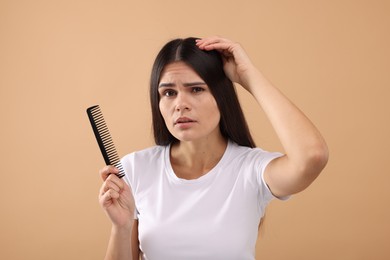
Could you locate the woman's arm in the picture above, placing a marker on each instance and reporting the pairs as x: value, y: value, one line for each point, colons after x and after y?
x: 135, y: 242
x: 306, y: 152
x: 305, y: 149
x: 117, y: 200
x: 119, y: 245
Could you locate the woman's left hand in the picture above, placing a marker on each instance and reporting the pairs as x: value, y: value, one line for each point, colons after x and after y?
x: 237, y: 64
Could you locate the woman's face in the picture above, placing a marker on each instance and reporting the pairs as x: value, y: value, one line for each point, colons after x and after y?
x: 189, y: 109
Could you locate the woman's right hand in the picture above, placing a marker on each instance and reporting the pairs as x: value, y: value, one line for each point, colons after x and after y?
x: 116, y: 198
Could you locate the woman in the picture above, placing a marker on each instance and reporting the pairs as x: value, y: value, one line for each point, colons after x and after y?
x: 202, y: 191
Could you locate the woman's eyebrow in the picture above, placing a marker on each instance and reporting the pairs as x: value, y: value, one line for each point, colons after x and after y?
x: 190, y: 84
x: 165, y: 85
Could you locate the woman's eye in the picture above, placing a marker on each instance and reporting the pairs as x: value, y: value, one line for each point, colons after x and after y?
x: 197, y: 89
x: 169, y: 93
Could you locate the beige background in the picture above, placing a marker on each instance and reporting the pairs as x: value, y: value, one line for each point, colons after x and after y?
x: 332, y: 58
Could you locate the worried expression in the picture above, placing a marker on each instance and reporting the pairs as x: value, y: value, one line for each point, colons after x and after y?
x: 189, y: 109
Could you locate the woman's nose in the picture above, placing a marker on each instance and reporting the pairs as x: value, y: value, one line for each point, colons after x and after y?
x: 182, y: 102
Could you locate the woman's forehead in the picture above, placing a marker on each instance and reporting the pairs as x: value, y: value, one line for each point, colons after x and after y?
x: 179, y: 71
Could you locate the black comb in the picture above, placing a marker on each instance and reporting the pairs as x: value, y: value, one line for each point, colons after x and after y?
x: 103, y: 138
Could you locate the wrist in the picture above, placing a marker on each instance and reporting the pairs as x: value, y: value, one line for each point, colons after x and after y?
x: 122, y: 230
x: 252, y: 79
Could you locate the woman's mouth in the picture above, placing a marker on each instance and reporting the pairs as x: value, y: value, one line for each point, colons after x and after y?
x: 184, y: 122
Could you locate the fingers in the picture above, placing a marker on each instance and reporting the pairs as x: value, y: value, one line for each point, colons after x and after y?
x: 212, y: 40
x: 112, y: 184
x: 111, y: 190
x: 214, y: 43
x: 228, y: 49
x: 107, y: 196
x: 107, y: 171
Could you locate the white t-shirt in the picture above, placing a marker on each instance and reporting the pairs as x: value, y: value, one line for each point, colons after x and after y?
x: 213, y: 217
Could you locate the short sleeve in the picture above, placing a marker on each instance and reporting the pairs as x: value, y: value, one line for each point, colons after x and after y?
x: 265, y: 194
x: 127, y: 164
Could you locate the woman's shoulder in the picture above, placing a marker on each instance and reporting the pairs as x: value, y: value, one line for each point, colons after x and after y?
x: 249, y: 153
x: 243, y: 150
x: 146, y: 153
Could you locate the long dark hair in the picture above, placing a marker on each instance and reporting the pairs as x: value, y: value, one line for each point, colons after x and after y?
x: 209, y: 66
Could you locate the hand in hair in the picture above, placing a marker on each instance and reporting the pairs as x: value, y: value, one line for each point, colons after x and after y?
x: 237, y: 64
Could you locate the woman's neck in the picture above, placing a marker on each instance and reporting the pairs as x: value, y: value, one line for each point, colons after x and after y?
x: 191, y: 160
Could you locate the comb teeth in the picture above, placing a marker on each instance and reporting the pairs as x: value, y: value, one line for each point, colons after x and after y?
x: 103, y: 138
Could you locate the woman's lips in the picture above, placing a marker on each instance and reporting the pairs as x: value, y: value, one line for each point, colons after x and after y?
x: 184, y: 122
